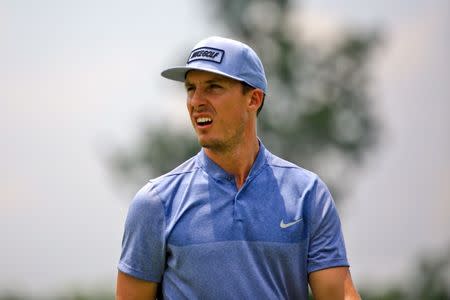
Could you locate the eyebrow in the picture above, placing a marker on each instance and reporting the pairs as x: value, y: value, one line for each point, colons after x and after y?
x: 209, y: 81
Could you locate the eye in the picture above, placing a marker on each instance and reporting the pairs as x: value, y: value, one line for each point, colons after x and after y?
x: 214, y: 86
x: 190, y: 88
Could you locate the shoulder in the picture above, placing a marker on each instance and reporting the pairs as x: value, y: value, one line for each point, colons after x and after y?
x: 187, y: 167
x: 290, y: 171
x: 173, y: 177
x: 158, y: 188
x: 296, y: 180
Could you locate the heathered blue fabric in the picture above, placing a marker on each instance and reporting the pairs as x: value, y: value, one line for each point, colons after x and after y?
x: 192, y: 231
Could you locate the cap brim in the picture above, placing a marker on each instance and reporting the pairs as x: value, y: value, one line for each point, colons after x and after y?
x: 179, y: 73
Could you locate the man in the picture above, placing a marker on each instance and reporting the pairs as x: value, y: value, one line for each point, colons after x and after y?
x: 234, y: 221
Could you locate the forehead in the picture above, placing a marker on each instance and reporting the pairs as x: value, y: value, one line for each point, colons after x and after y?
x: 198, y: 76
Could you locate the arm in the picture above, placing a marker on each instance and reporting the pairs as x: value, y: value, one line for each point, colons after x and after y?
x: 333, y: 283
x: 131, y: 288
x: 142, y: 260
x: 329, y: 276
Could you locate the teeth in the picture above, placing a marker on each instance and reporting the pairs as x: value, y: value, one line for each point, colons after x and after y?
x: 203, y: 120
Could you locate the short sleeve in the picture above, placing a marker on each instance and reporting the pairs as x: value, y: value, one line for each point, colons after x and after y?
x: 326, y: 247
x: 143, y: 243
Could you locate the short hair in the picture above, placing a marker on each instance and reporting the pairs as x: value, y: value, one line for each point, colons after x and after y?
x: 247, y: 88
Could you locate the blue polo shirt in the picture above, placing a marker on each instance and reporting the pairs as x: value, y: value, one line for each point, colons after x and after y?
x: 200, y: 237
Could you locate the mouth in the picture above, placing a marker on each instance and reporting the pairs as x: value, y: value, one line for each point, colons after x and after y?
x: 203, y: 121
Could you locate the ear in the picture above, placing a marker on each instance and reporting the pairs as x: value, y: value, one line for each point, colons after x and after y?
x: 256, y: 98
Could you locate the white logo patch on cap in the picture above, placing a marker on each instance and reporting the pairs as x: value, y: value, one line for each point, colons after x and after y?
x: 206, y: 53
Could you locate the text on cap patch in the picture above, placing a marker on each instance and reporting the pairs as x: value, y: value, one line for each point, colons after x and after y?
x: 206, y: 53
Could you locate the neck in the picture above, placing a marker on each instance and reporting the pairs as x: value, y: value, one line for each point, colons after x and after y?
x: 236, y: 161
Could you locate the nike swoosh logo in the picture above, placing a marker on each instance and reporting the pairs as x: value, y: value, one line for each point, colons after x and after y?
x: 286, y: 225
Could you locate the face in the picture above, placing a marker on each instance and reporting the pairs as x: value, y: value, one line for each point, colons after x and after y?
x: 218, y: 109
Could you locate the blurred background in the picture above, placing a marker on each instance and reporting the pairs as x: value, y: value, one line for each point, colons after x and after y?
x: 359, y: 92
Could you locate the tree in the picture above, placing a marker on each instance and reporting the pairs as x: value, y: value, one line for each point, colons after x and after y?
x: 317, y: 113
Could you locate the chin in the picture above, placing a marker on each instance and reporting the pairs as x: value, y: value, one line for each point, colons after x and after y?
x: 208, y: 143
x: 204, y: 144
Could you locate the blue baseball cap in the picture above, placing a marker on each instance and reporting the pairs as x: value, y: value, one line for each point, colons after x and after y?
x: 226, y: 57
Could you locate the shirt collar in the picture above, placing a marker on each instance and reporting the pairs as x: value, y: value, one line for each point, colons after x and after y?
x: 218, y: 173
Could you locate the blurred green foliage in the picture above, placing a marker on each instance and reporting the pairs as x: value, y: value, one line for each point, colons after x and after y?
x: 317, y: 113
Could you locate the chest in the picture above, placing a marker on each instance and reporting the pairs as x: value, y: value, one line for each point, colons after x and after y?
x: 261, y: 211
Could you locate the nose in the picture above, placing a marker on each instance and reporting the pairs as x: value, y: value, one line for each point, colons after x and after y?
x: 196, y: 99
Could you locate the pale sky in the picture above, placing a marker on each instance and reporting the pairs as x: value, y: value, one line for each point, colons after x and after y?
x: 77, y: 76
